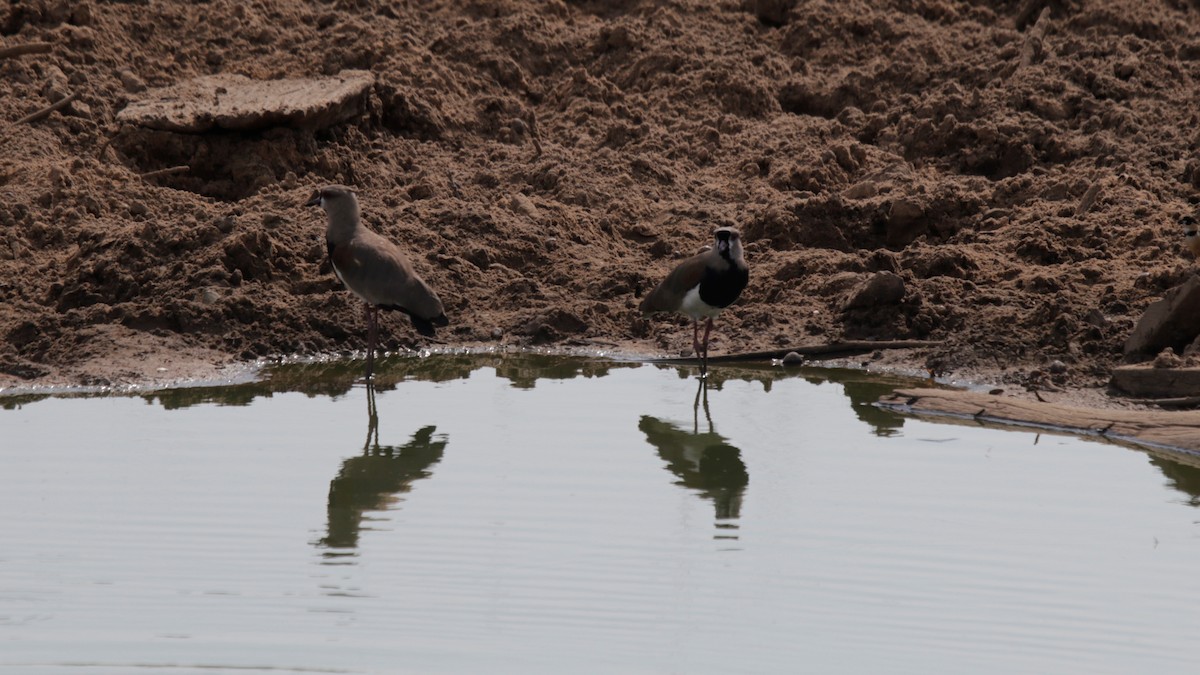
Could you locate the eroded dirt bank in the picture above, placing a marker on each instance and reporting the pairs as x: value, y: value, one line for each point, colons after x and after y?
x: 895, y: 169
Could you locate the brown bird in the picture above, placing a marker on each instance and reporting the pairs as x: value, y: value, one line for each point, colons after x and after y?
x: 1190, y: 232
x: 702, y: 286
x: 373, y: 268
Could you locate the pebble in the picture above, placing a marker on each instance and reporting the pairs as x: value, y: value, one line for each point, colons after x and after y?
x: 522, y: 205
x: 132, y: 83
x: 792, y: 359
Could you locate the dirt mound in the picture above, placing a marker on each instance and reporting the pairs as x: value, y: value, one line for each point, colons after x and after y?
x: 544, y: 163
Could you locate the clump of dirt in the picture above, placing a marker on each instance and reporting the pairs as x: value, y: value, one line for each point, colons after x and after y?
x: 896, y: 172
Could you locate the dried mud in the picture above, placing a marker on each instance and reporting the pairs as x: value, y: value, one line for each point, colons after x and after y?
x: 896, y: 173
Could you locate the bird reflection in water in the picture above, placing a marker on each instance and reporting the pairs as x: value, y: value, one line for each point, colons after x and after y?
x: 704, y: 462
x: 374, y: 480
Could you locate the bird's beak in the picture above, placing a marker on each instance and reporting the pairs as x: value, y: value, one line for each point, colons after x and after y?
x: 314, y: 200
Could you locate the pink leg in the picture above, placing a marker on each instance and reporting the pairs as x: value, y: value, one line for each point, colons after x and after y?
x: 372, y: 314
x: 704, y: 359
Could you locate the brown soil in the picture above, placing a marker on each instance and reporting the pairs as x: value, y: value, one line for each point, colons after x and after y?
x: 846, y: 140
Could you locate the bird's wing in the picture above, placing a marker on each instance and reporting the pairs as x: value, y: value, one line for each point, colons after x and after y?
x: 329, y: 249
x: 668, y: 295
x: 375, y: 269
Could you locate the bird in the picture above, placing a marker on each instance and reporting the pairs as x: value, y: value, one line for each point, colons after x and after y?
x: 1190, y: 231
x: 374, y: 269
x: 701, y: 286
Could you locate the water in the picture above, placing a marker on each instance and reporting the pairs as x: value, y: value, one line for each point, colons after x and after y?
x: 552, y: 514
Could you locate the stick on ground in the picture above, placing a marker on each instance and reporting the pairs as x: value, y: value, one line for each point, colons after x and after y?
x: 169, y: 171
x: 1034, y: 41
x: 1089, y: 198
x: 33, y: 117
x: 27, y: 48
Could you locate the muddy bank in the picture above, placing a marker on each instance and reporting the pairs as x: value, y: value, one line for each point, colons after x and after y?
x: 900, y: 171
x: 1177, y: 431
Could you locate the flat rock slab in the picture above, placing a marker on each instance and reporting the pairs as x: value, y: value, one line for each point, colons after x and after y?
x: 1151, y: 382
x: 1167, y: 430
x: 238, y: 103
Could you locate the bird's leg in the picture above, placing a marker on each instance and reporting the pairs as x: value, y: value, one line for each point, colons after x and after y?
x: 704, y: 359
x: 372, y: 328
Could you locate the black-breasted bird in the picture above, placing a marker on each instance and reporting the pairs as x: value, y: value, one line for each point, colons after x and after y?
x: 374, y: 268
x: 1191, y: 234
x: 702, y: 286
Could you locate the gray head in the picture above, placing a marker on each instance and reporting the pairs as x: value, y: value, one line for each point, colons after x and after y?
x: 340, y: 205
x: 728, y: 242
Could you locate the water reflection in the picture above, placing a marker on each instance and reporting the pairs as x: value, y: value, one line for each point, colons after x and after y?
x: 863, y: 390
x: 374, y: 480
x: 705, y: 462
x: 1182, y: 473
x: 337, y: 378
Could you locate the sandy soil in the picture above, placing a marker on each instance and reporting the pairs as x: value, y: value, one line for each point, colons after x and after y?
x: 1023, y: 215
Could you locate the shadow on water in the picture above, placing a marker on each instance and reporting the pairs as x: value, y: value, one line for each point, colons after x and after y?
x: 375, y: 479
x: 704, y: 462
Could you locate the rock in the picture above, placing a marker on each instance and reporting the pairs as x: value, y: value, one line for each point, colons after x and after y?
x: 1057, y: 367
x: 1096, y: 318
x: 792, y: 359
x: 132, y: 83
x: 1150, y: 382
x: 56, y: 87
x: 420, y: 191
x: 238, y: 103
x: 905, y: 222
x: 80, y: 109
x: 773, y: 12
x: 862, y: 190
x: 1171, y: 322
x: 1125, y: 69
x: 905, y: 211
x: 883, y: 288
x: 1167, y: 358
x: 522, y: 205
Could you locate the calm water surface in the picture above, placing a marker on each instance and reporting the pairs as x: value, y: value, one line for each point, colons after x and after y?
x: 553, y: 514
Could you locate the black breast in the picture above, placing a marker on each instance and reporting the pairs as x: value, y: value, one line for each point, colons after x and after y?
x: 719, y: 288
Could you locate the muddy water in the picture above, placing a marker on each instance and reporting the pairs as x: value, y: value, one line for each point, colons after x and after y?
x: 554, y: 514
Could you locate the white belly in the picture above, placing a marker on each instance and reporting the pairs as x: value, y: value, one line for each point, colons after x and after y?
x: 696, y: 308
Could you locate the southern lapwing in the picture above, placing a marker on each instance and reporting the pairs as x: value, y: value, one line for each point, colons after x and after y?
x: 1191, y: 234
x: 702, y: 286
x: 374, y: 269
